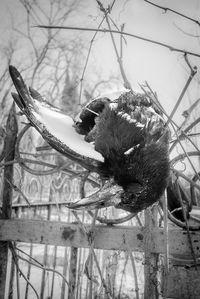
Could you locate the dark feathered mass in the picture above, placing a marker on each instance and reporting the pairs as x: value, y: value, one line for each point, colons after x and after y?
x: 131, y: 136
x: 126, y: 141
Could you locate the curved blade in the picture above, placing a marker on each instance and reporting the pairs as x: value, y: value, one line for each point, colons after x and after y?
x: 55, y: 127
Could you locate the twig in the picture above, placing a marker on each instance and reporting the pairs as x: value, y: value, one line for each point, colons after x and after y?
x: 139, y: 220
x: 88, y: 54
x: 188, y: 158
x: 186, y: 178
x: 194, y: 200
x: 123, y: 272
x: 155, y: 98
x: 90, y: 240
x: 193, y: 72
x: 180, y: 157
x: 19, y: 270
x: 174, y: 11
x: 171, y: 48
x: 113, y: 221
x: 90, y: 235
x: 121, y: 42
x: 39, y: 265
x: 108, y: 292
x: 192, y: 125
x: 155, y: 101
x: 15, y: 188
x: 28, y: 255
x: 187, y: 226
x: 122, y: 28
x: 166, y: 257
x: 184, y: 133
x: 189, y: 135
x: 173, y: 124
x: 188, y: 112
x: 119, y: 60
x: 84, y: 179
x: 181, y: 224
x: 134, y: 269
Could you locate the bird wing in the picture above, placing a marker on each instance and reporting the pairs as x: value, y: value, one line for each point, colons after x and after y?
x: 57, y: 128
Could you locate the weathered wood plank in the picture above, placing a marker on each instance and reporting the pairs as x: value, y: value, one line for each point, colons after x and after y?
x: 151, y: 259
x: 105, y: 237
x: 9, y: 148
x: 183, y: 282
x: 72, y: 272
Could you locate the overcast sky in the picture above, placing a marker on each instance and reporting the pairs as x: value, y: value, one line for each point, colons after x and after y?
x: 165, y: 71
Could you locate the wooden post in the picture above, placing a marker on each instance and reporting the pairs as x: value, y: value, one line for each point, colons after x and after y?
x: 72, y: 272
x: 10, y: 140
x: 151, y: 259
x: 12, y: 274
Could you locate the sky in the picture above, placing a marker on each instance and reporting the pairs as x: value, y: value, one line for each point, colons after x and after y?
x: 165, y: 70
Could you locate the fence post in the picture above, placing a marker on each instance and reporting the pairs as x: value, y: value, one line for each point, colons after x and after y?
x: 72, y: 272
x: 9, y: 146
x: 151, y: 259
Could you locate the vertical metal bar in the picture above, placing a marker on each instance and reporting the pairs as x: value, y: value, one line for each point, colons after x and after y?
x: 12, y: 271
x: 12, y: 275
x: 28, y: 271
x: 91, y: 274
x: 81, y: 251
x: 42, y: 290
x: 79, y: 283
x: 53, y: 275
x: 10, y: 141
x: 65, y: 266
x: 17, y: 283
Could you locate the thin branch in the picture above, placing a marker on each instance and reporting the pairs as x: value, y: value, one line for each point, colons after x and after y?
x: 121, y: 42
x: 174, y: 11
x: 187, y: 226
x: 184, y: 133
x: 186, y: 154
x: 193, y: 71
x: 119, y: 60
x: 113, y: 221
x: 15, y: 188
x: 166, y: 240
x: 15, y: 258
x: 39, y: 265
x: 89, y: 51
x: 185, y: 178
x: 185, y: 32
x: 187, y: 113
x: 134, y: 269
x: 182, y: 224
x: 90, y: 241
x: 171, y: 48
x: 182, y: 156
